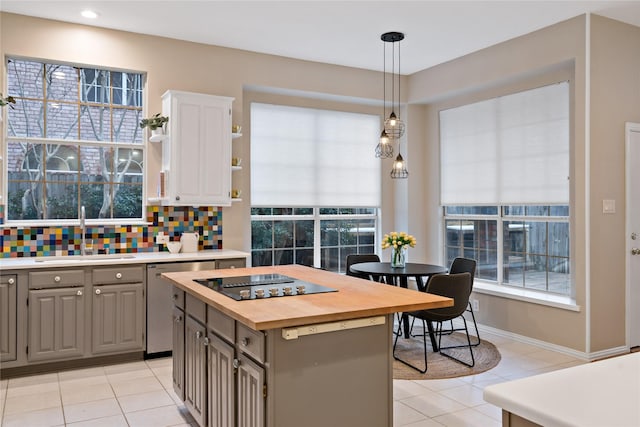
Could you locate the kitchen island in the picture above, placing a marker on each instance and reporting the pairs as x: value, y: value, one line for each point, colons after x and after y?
x: 303, y: 360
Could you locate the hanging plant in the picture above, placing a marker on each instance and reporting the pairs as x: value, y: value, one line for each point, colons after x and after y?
x: 154, y: 122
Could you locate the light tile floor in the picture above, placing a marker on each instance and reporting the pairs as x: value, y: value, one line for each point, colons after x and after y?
x: 140, y: 394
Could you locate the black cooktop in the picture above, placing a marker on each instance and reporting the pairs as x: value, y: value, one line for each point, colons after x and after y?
x: 262, y: 286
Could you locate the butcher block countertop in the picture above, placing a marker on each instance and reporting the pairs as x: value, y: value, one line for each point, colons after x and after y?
x: 356, y: 298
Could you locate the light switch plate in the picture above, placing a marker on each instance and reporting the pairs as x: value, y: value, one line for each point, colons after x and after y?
x: 608, y: 206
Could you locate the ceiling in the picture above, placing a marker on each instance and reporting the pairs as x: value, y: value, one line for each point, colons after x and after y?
x: 336, y: 32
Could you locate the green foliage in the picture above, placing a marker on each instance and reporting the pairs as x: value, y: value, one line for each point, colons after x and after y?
x: 154, y: 122
x: 6, y: 101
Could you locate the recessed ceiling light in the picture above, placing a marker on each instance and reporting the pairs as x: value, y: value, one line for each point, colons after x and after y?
x: 90, y: 14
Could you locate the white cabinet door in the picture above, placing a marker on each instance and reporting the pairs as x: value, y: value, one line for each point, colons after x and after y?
x: 197, y: 150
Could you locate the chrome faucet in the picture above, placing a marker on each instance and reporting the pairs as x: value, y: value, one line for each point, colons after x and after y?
x: 83, y: 245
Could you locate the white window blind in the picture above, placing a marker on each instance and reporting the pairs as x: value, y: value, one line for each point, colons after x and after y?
x: 508, y: 150
x: 309, y: 157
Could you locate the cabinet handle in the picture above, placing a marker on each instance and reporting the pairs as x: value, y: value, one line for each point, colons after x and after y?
x: 11, y: 281
x: 175, y: 297
x: 79, y: 293
x: 233, y: 266
x: 198, y: 334
x: 118, y: 275
x: 177, y: 197
x: 178, y: 319
x: 205, y: 342
x: 245, y: 341
x: 57, y: 279
x: 98, y: 291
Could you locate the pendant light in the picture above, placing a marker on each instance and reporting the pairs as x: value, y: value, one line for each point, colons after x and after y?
x: 384, y: 149
x: 393, y: 126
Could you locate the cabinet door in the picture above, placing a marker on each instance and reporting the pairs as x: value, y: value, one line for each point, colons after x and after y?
x: 8, y: 307
x: 178, y: 352
x: 118, y: 318
x: 250, y: 393
x: 221, y: 388
x: 195, y: 369
x: 56, y: 323
x: 200, y: 137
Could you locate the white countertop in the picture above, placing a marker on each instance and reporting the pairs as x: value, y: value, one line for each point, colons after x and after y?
x: 602, y: 393
x: 133, y: 258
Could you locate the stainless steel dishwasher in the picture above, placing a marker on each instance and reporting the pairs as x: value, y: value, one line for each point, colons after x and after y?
x: 160, y: 303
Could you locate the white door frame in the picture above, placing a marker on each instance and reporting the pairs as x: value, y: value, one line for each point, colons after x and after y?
x: 630, y: 128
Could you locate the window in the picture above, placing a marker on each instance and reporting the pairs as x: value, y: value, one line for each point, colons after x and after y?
x: 320, y: 237
x: 315, y: 185
x: 505, y: 188
x: 73, y: 139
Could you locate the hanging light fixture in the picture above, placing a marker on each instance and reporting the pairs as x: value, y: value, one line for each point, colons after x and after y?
x: 393, y: 126
x: 399, y: 170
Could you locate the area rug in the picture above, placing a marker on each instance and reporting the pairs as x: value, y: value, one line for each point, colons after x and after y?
x: 486, y: 356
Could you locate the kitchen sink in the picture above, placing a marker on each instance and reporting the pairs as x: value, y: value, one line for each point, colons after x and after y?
x: 83, y: 258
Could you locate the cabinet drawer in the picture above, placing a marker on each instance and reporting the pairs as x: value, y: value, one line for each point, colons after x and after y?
x: 56, y: 279
x: 221, y: 324
x: 250, y: 342
x: 116, y: 275
x: 196, y: 308
x: 177, y: 295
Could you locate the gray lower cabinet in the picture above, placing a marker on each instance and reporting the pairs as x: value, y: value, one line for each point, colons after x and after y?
x: 8, y: 326
x: 118, y: 318
x: 195, y: 369
x: 178, y: 352
x: 251, y: 393
x: 221, y: 384
x: 56, y: 323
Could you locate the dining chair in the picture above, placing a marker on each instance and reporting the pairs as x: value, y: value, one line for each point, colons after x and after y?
x: 458, y: 287
x: 358, y: 258
x: 466, y: 265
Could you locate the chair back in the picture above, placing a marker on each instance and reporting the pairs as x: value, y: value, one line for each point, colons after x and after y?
x: 456, y: 286
x: 359, y: 258
x: 464, y: 265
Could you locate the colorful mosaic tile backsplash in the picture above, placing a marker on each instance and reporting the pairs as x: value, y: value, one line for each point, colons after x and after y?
x: 58, y: 241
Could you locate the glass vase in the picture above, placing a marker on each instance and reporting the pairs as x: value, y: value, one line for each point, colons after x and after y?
x: 398, y: 257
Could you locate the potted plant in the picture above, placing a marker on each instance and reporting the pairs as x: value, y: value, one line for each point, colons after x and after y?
x: 156, y: 123
x: 9, y: 100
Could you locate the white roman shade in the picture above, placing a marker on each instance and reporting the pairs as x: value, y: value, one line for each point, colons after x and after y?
x: 508, y: 150
x: 309, y: 157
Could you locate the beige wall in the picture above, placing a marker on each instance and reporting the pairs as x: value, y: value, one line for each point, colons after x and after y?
x: 556, y: 52
x: 615, y: 99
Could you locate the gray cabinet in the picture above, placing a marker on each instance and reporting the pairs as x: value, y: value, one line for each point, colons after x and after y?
x: 56, y: 323
x: 221, y: 384
x: 117, y: 318
x: 178, y: 351
x: 231, y: 263
x: 8, y: 326
x: 195, y: 369
x: 118, y: 309
x: 251, y: 393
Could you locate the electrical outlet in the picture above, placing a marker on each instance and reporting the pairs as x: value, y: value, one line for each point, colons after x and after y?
x: 162, y: 238
x: 476, y: 305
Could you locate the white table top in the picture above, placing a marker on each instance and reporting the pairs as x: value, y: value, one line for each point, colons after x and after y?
x: 599, y: 394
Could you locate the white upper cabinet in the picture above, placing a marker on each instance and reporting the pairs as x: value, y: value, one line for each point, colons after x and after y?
x: 196, y: 153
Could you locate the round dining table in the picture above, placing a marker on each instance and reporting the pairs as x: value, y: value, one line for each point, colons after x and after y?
x: 400, y: 277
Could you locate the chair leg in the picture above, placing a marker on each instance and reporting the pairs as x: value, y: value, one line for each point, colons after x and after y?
x: 424, y: 341
x: 469, y: 345
x: 475, y: 324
